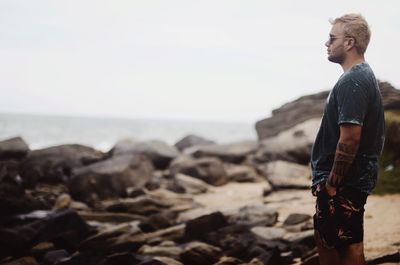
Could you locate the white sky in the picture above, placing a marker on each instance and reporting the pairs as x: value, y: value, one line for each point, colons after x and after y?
x: 194, y: 60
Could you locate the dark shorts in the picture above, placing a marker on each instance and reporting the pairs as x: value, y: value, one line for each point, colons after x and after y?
x: 339, y: 220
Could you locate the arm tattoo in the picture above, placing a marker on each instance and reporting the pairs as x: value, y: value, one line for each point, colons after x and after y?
x: 344, y: 157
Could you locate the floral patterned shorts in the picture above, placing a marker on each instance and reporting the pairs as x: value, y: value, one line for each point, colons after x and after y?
x: 339, y: 220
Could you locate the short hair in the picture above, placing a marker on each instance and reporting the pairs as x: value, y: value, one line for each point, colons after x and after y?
x: 355, y: 26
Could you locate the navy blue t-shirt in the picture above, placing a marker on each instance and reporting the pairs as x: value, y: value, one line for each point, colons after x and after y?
x: 355, y: 99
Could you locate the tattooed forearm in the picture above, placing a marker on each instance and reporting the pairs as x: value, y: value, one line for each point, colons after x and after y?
x: 344, y: 157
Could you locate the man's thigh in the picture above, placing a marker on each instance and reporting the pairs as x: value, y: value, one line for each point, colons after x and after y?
x: 339, y: 219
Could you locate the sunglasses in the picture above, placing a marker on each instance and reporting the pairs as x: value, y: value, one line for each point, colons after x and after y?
x: 332, y: 39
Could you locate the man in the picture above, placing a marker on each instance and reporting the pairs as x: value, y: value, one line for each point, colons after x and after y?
x: 345, y: 153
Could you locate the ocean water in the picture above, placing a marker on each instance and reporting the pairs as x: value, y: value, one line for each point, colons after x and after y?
x: 102, y: 133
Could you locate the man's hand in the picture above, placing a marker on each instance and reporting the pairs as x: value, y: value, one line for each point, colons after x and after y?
x: 330, y: 190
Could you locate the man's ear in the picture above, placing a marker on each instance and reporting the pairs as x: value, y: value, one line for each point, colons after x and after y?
x: 350, y: 43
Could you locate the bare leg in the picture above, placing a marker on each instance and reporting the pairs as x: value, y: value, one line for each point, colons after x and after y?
x: 327, y: 256
x: 354, y: 254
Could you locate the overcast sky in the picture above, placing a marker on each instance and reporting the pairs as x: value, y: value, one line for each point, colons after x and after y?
x: 192, y: 60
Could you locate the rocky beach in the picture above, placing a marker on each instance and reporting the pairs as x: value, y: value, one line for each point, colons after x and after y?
x: 196, y: 202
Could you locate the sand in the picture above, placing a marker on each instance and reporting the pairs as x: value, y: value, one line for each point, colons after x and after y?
x: 382, y: 213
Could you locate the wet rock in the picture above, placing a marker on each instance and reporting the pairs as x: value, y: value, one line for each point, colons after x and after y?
x: 296, y: 218
x: 282, y: 174
x: 110, y: 178
x: 14, y: 148
x: 192, y: 140
x: 160, y: 153
x: 197, y: 228
x: 232, y: 153
x: 198, y: 253
x: 209, y: 170
x: 54, y: 164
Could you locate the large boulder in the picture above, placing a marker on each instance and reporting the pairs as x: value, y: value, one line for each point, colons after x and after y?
x: 210, y: 170
x: 55, y: 164
x: 192, y: 140
x: 233, y: 152
x: 291, y: 114
x: 282, y: 174
x: 14, y: 148
x: 294, y: 144
x: 312, y: 106
x: 160, y: 153
x: 110, y: 178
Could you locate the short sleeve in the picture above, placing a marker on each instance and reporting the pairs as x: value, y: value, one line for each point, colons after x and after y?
x: 352, y: 102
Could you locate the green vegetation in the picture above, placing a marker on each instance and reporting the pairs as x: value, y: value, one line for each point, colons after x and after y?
x: 389, y: 173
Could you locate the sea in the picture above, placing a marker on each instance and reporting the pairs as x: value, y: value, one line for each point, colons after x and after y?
x: 41, y: 131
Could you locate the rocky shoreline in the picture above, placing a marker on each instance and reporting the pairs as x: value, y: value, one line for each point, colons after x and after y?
x: 149, y: 203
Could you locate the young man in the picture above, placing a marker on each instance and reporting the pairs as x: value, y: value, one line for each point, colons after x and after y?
x: 345, y: 153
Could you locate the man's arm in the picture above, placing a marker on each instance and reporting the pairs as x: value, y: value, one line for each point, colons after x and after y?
x: 346, y: 150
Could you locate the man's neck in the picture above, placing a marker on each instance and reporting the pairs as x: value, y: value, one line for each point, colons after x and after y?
x: 351, y: 61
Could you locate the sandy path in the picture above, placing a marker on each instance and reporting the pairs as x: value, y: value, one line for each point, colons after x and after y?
x: 382, y: 215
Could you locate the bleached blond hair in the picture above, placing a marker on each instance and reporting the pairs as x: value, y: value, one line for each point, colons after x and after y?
x: 355, y: 26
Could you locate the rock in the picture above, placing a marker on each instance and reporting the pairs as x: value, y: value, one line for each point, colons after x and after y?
x: 113, y: 236
x: 312, y: 260
x: 128, y: 236
x: 390, y: 96
x: 23, y: 261
x: 170, y: 250
x: 198, y: 253
x: 160, y: 153
x: 55, y: 164
x: 14, y: 148
x: 110, y: 178
x: 159, y: 221
x: 65, y: 228
x: 269, y: 233
x: 111, y: 217
x: 199, y: 227
x: 312, y: 106
x: 209, y: 170
x: 392, y: 257
x: 234, y: 239
x: 9, y: 171
x: 301, y: 243
x: 63, y: 201
x: 291, y: 114
x: 130, y: 258
x: 142, y: 205
x: 229, y: 261
x: 190, y: 185
x: 242, y: 173
x: 232, y: 153
x: 192, y: 140
x: 282, y: 174
x: 168, y: 261
x: 293, y: 144
x: 296, y: 218
x: 252, y: 215
x: 54, y: 256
